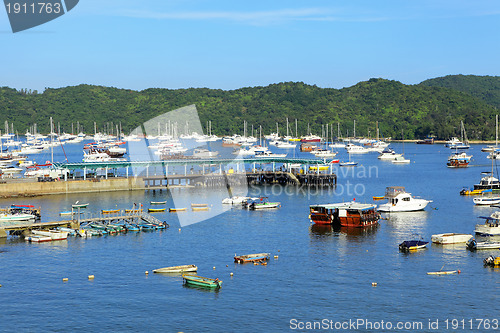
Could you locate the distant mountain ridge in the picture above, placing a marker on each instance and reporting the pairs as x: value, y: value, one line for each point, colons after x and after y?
x: 416, y: 110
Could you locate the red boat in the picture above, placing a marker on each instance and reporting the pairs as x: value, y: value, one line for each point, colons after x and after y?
x: 347, y: 214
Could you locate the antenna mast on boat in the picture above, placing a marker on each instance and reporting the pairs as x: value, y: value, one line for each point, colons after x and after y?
x: 354, y: 133
x: 296, y: 132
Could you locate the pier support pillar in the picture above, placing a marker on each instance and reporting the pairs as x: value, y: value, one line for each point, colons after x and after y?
x: 106, y: 172
x: 85, y: 173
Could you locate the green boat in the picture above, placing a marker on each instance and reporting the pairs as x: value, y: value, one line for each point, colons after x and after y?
x: 202, y: 281
x: 77, y: 205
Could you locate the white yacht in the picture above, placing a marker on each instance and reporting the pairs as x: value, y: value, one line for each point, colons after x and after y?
x: 355, y: 149
x: 401, y: 201
x: 490, y: 227
x: 388, y: 154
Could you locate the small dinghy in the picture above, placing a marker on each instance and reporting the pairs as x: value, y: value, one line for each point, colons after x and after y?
x: 177, y: 269
x: 177, y: 210
x: 202, y: 281
x: 412, y: 245
x: 156, y: 210
x: 158, y: 202
x: 444, y: 272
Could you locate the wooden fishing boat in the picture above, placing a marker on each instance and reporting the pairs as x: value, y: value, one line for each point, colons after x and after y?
x: 198, y: 209
x: 378, y: 197
x: 158, y: 202
x: 177, y: 269
x: 202, y: 281
x: 156, y: 210
x: 255, y: 257
x: 412, y: 245
x: 134, y: 210
x: 177, y: 210
x: 443, y: 272
x: 110, y: 211
x: 347, y: 214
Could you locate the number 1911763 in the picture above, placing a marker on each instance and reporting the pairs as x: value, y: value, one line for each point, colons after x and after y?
x: 33, y: 8
x: 471, y: 324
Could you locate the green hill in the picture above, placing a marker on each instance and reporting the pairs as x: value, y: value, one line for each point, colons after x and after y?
x: 486, y: 88
x: 418, y: 110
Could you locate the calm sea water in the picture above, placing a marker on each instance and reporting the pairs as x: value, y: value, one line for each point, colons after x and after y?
x: 320, y: 273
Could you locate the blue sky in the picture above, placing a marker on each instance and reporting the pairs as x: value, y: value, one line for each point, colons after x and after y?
x: 232, y: 44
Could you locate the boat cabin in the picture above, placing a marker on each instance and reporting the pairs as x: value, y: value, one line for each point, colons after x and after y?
x: 346, y: 214
x: 487, y: 182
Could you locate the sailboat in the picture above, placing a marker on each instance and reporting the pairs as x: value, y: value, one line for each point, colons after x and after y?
x: 454, y: 143
x: 348, y: 164
x: 401, y: 159
x: 337, y: 144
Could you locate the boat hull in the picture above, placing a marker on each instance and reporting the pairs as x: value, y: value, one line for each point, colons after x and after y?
x: 256, y: 257
x: 450, y: 238
x: 177, y: 269
x: 202, y: 281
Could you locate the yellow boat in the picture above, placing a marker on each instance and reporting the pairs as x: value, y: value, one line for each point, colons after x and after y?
x: 177, y: 209
x: 199, y: 205
x: 110, y: 211
x: 471, y: 192
x: 156, y: 210
x: 378, y: 198
x: 321, y: 167
x: 197, y: 209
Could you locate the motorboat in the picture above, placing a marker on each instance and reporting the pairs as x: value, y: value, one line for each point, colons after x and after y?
x: 401, y: 201
x: 450, y: 238
x: 262, y: 203
x: 490, y: 227
x: 323, y: 153
x: 355, y: 149
x: 400, y: 160
x: 388, y: 154
x: 53, y: 234
x: 487, y: 200
x: 492, y: 261
x: 236, y: 200
x: 204, y: 153
x: 412, y: 245
x: 474, y: 245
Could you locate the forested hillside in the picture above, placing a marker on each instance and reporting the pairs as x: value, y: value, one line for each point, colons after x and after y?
x: 417, y: 110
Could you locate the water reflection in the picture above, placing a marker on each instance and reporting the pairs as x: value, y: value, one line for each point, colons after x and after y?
x: 327, y: 230
x: 207, y: 290
x: 406, y: 223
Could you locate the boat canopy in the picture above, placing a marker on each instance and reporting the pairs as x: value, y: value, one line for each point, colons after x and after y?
x: 345, y: 205
x: 393, y: 191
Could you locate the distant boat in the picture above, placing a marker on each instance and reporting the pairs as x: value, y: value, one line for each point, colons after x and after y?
x: 400, y: 160
x: 156, y: 210
x: 177, y: 269
x: 251, y: 257
x: 177, y: 209
x: 202, y: 281
x: 158, y: 202
x: 443, y: 272
x: 199, y: 209
x: 236, y: 200
x: 199, y: 205
x: 348, y: 164
x: 427, y: 141
x: 110, y: 211
x: 77, y: 205
x: 379, y: 197
x: 459, y: 160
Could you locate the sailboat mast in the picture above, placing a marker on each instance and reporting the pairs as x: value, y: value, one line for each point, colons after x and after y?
x: 496, y: 132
